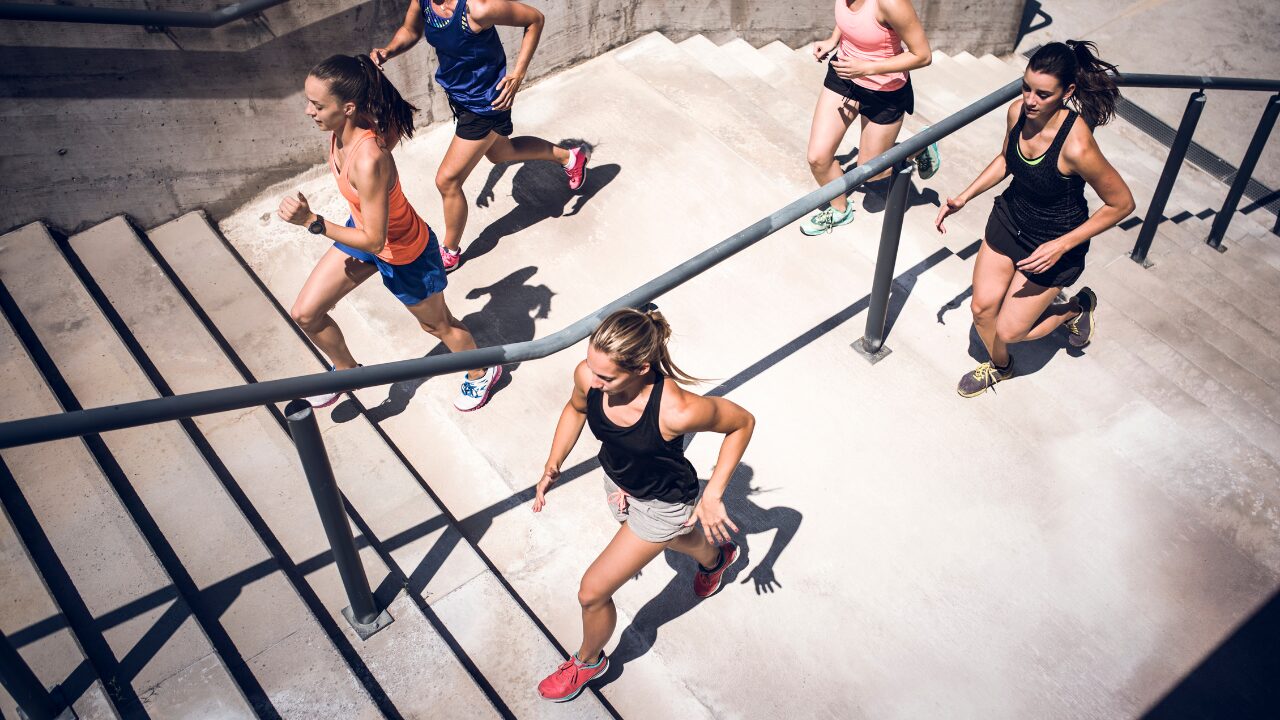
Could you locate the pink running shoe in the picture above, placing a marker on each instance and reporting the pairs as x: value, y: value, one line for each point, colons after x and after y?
x: 450, y: 258
x: 577, y: 167
x: 570, y: 678
x: 706, y: 582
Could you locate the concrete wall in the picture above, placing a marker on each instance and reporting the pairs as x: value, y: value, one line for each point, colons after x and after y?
x: 106, y: 120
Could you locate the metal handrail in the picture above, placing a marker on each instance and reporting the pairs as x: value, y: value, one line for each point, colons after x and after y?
x: 145, y: 412
x: 126, y: 16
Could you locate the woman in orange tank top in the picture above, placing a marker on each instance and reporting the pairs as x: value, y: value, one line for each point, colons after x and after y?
x: 868, y: 77
x: 349, y: 97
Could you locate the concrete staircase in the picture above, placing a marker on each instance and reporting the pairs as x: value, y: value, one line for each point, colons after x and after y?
x: 1070, y: 545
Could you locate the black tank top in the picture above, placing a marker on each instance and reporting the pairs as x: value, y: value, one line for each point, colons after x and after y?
x: 637, y: 458
x: 1042, y: 203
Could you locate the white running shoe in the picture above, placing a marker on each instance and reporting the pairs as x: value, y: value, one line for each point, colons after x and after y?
x: 475, y: 393
x: 323, y: 401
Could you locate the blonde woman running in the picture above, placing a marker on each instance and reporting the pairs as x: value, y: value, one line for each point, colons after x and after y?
x: 621, y: 391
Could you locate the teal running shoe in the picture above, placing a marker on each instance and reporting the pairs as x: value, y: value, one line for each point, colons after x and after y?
x: 825, y: 221
x: 928, y: 162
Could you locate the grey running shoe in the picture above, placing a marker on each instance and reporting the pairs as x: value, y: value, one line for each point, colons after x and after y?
x: 1083, y: 326
x: 984, y: 376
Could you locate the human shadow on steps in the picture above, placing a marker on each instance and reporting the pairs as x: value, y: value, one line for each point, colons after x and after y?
x: 540, y: 192
x: 677, y: 597
x: 509, y: 316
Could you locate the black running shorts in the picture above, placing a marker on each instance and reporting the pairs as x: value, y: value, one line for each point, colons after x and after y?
x: 882, y: 107
x: 474, y: 126
x: 1003, y: 236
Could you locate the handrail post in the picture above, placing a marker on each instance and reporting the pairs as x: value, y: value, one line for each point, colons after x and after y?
x: 871, y: 345
x: 24, y: 687
x: 363, y: 613
x: 1250, y: 161
x: 1178, y: 151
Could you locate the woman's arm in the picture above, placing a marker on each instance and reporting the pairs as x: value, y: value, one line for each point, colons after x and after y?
x: 703, y: 414
x: 1081, y: 155
x: 407, y: 35
x: 568, y: 430
x: 823, y: 48
x: 993, y: 174
x: 901, y: 16
x: 488, y: 13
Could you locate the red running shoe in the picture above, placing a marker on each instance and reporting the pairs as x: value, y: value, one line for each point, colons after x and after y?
x: 450, y: 258
x: 570, y: 678
x: 706, y: 582
x: 577, y: 167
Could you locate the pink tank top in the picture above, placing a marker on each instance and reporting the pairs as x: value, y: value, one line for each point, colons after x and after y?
x: 407, y: 232
x: 862, y: 37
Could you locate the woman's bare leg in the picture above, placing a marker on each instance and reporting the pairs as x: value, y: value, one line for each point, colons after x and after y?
x: 1029, y: 313
x: 695, y: 545
x: 459, y: 160
x: 336, y: 275
x: 621, y: 559
x: 993, y: 274
x: 832, y: 117
x: 876, y: 139
x: 434, y: 317
x: 523, y: 149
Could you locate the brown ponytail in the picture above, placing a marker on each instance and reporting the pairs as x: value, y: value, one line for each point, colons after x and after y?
x: 355, y: 78
x: 631, y: 338
x: 1076, y: 62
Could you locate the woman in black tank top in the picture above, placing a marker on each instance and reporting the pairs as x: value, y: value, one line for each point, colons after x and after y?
x: 1039, y: 230
x: 626, y: 391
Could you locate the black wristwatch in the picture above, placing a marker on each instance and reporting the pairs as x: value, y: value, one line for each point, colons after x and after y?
x: 316, y: 227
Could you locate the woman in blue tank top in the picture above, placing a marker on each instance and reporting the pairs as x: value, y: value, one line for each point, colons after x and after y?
x: 473, y: 73
x: 1039, y: 230
x: 626, y: 392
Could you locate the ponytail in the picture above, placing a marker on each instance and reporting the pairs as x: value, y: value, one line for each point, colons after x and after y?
x: 355, y: 78
x: 632, y: 338
x: 1076, y: 62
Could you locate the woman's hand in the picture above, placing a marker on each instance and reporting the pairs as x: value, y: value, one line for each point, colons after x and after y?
x: 507, y: 88
x: 1045, y: 257
x: 379, y: 56
x: 823, y: 48
x: 296, y: 210
x: 550, y: 474
x: 715, y: 520
x: 850, y: 69
x: 950, y: 207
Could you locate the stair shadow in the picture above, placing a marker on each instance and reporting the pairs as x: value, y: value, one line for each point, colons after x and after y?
x: 677, y: 597
x: 508, y: 317
x: 1237, y: 679
x: 541, y: 193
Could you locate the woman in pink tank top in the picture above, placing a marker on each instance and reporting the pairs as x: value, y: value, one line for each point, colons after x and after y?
x: 349, y: 97
x: 877, y: 44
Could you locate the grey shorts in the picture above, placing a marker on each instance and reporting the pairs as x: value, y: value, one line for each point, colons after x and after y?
x: 653, y: 521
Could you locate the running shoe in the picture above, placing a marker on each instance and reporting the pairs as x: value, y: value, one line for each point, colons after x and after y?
x: 475, y: 393
x: 928, y: 161
x: 706, y: 582
x: 826, y: 220
x: 986, y: 375
x: 1083, y: 326
x: 325, y: 400
x: 570, y: 678
x: 577, y: 167
x: 451, y: 258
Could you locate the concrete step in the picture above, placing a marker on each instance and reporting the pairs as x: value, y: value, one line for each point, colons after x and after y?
x: 163, y: 656
x: 504, y: 643
x: 52, y: 652
x: 1259, y: 281
x: 729, y: 68
x: 257, y: 450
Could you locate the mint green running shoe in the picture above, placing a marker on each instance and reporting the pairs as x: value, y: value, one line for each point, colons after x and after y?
x: 928, y: 161
x: 827, y: 220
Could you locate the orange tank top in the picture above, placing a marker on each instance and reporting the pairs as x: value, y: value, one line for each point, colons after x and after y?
x: 407, y: 233
x: 862, y: 37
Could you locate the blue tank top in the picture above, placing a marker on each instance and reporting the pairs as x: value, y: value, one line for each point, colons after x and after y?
x: 471, y: 63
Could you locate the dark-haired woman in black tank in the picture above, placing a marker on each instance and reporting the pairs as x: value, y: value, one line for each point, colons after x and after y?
x: 626, y: 392
x: 1039, y: 229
